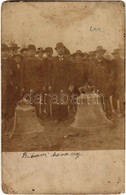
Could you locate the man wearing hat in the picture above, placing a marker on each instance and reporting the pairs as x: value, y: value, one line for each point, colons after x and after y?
x: 118, y: 93
x: 14, y: 49
x: 71, y: 58
x: 91, y: 67
x: 103, y: 79
x: 24, y: 52
x: 40, y: 53
x: 4, y: 51
x: 18, y: 73
x: 33, y: 73
x: 49, y: 52
x: 60, y: 82
x: 5, y: 78
x: 48, y: 65
x: 80, y: 70
x: 47, y: 77
x: 7, y: 88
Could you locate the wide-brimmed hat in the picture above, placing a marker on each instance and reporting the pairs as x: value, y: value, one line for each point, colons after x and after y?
x: 116, y: 51
x: 18, y: 55
x: 58, y: 45
x: 40, y: 50
x: 14, y: 46
x: 4, y: 47
x: 23, y: 49
x: 78, y: 52
x: 100, y: 49
x: 31, y: 47
x: 48, y: 49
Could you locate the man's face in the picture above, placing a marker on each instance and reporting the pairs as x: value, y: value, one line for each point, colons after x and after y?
x: 99, y: 54
x: 18, y: 59
x: 25, y: 53
x: 14, y: 51
x: 49, y: 54
x: 78, y: 58
x: 91, y: 57
x: 40, y: 54
x: 72, y: 59
x: 60, y: 50
x: 5, y: 53
x: 116, y: 55
x: 31, y: 53
x: 85, y: 57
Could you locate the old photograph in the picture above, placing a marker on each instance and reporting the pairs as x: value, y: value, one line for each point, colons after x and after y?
x: 62, y: 76
x: 63, y: 97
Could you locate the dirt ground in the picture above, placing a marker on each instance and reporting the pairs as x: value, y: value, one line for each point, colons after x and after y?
x: 62, y: 137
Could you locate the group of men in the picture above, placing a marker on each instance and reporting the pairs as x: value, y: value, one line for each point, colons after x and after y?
x: 37, y: 71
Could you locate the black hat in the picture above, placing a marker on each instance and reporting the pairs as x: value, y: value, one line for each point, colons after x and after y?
x: 14, y: 46
x: 58, y: 45
x: 100, y: 49
x: 116, y: 51
x: 32, y: 47
x: 48, y: 49
x: 39, y: 50
x: 78, y: 52
x: 23, y: 49
x: 4, y: 47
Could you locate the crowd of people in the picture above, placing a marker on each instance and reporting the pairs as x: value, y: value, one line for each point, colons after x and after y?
x: 31, y: 70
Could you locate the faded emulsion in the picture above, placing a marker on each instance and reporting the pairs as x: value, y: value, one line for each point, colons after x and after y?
x: 63, y: 97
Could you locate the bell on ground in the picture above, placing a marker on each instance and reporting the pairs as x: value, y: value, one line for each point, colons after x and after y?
x: 25, y: 120
x: 90, y: 113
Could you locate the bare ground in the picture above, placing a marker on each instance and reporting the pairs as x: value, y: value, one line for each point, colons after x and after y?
x: 62, y: 137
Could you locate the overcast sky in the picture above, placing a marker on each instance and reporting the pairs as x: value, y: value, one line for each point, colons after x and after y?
x: 44, y: 24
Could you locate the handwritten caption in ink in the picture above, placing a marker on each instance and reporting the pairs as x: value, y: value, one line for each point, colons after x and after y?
x: 54, y: 154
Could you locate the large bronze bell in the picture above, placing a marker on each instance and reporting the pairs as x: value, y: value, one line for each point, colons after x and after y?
x: 90, y: 112
x: 26, y: 121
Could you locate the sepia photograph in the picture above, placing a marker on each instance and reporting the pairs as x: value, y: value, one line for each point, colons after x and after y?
x: 63, y: 81
x: 62, y: 76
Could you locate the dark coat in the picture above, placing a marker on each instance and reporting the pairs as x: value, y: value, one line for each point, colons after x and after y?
x: 5, y: 84
x: 32, y: 74
x: 80, y: 74
x: 61, y: 75
x: 18, y: 76
x: 103, y: 77
x: 119, y: 71
x: 8, y: 88
x: 91, y: 72
x: 18, y: 71
x: 47, y: 71
x: 6, y: 73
